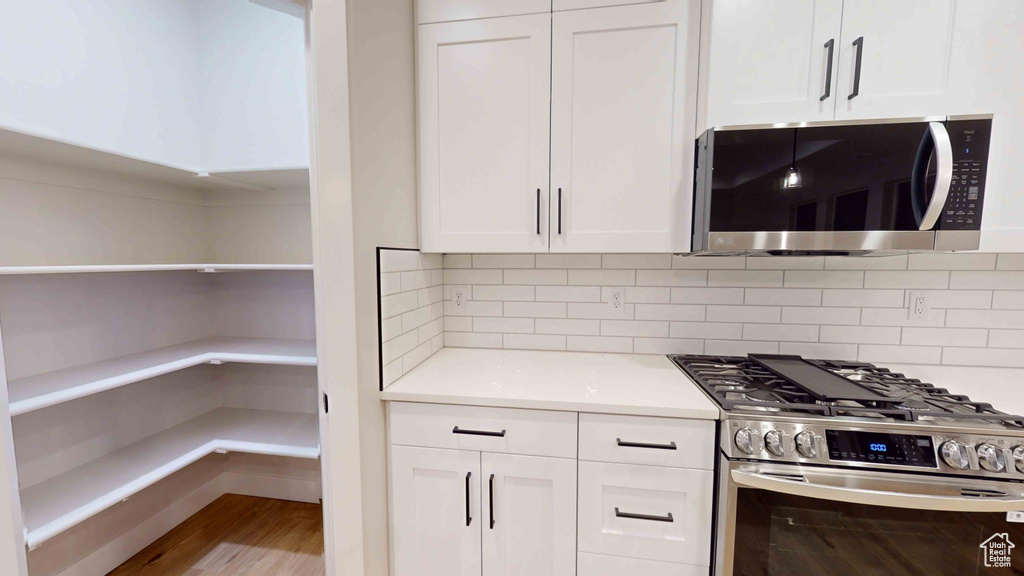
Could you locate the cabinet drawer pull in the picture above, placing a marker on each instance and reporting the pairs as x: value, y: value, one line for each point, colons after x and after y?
x: 669, y: 446
x: 859, y: 43
x: 469, y: 519
x: 665, y: 518
x: 830, y: 46
x: 490, y: 500
x: 456, y: 430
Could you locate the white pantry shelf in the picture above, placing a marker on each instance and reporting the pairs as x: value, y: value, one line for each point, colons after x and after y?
x: 51, y: 388
x: 59, y: 503
x: 18, y: 270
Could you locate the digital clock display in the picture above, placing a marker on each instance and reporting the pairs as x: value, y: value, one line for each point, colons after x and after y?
x: 880, y: 448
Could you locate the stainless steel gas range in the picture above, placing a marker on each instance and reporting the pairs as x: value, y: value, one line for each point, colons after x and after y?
x: 842, y: 468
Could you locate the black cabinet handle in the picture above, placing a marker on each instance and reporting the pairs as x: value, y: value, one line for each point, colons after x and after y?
x: 538, y: 210
x: 830, y: 45
x: 859, y: 43
x: 490, y: 499
x: 669, y: 446
x: 457, y: 430
x: 469, y: 519
x: 559, y: 210
x: 665, y: 518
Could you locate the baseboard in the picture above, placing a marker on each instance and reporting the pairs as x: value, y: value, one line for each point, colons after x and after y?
x: 117, y: 551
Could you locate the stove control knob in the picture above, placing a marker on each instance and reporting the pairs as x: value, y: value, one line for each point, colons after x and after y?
x: 748, y: 441
x: 807, y: 444
x: 991, y: 458
x: 955, y: 454
x: 1018, y: 457
x: 778, y: 443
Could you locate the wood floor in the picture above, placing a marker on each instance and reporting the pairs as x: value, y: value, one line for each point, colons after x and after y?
x: 236, y: 536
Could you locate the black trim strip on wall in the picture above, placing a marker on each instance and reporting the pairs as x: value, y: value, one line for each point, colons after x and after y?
x: 380, y: 319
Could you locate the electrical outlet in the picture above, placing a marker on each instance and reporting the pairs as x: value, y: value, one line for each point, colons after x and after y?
x: 919, y: 306
x: 1017, y: 516
x: 616, y: 299
x: 458, y: 297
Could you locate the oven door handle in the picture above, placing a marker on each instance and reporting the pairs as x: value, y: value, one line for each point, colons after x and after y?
x: 797, y: 485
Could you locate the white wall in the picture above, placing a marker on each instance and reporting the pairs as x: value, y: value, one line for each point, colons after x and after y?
x: 252, y: 81
x: 118, y: 75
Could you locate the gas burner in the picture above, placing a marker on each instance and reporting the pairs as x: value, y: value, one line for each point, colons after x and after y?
x: 913, y: 404
x: 761, y: 396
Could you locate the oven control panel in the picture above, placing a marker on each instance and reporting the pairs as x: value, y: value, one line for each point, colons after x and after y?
x: 801, y: 442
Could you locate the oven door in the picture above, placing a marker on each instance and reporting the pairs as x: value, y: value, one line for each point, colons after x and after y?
x: 789, y: 520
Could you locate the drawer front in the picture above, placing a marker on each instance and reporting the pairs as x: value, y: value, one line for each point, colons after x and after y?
x: 653, y: 441
x: 646, y: 512
x: 503, y: 430
x: 598, y: 565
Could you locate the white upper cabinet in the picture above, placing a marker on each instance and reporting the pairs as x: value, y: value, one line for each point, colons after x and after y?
x: 623, y: 109
x: 484, y: 97
x: 529, y: 515
x: 448, y: 10
x: 770, y: 61
x: 904, y: 50
x: 558, y: 5
x: 435, y: 511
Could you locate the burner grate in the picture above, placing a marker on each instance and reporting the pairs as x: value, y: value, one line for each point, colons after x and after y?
x: 739, y: 383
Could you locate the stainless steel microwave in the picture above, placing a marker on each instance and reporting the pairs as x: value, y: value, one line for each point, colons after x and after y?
x: 854, y: 188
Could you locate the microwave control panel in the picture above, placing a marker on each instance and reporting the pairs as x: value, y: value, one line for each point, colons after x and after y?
x: 970, y: 140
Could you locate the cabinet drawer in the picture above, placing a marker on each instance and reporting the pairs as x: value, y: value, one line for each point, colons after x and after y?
x: 642, y: 440
x: 646, y: 512
x: 505, y: 430
x: 598, y: 565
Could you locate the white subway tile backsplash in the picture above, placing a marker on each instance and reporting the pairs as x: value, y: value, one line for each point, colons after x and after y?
x: 391, y: 372
x: 398, y: 304
x: 860, y: 334
x: 568, y: 293
x: 534, y: 341
x: 636, y: 261
x: 1008, y: 300
x: 503, y: 261
x: 639, y: 295
x: 707, y: 296
x: 427, y: 296
x: 739, y: 347
x: 473, y: 308
x: 709, y: 262
x: 667, y: 346
x: 786, y: 263
x: 1010, y: 262
x: 472, y: 276
x: 1002, y: 280
x: 899, y: 354
x: 599, y: 344
x: 671, y: 278
x: 415, y: 318
x: 458, y: 261
x: 568, y: 260
x: 1006, y: 338
x: 472, y: 340
x: 390, y: 328
x: 945, y: 336
x: 910, y: 279
x: 745, y: 314
x: 985, y: 318
x: 820, y: 350
x: 431, y: 330
x: 706, y: 330
x: 943, y: 261
x: 783, y: 296
x: 418, y: 354
x: 505, y: 325
x: 535, y: 309
x: 399, y: 260
x: 863, y: 298
x: 968, y: 299
x: 504, y: 293
x: 677, y: 312
x: 568, y: 326
x: 901, y: 317
x: 536, y: 277
x: 602, y: 311
x: 745, y: 278
x: 1008, y: 357
x: 781, y: 332
x: 415, y: 280
x: 898, y: 262
x: 824, y: 279
x: 833, y: 316
x: 458, y: 324
x: 646, y: 328
x: 602, y: 277
x: 398, y: 347
x: 390, y: 283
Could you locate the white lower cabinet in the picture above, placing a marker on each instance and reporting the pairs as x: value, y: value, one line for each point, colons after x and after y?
x: 492, y: 510
x: 435, y: 500
x: 529, y: 515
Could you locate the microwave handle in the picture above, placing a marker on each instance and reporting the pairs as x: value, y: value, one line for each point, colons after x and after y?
x: 797, y: 485
x: 935, y: 139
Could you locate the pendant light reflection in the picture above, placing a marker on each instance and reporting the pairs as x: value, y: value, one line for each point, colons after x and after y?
x: 793, y: 178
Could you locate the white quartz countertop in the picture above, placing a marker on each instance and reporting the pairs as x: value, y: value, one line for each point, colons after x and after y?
x: 571, y: 381
x: 1003, y: 388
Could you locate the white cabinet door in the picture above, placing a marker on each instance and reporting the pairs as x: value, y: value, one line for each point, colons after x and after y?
x: 623, y: 107
x: 769, y: 61
x: 529, y: 515
x: 904, y: 50
x: 558, y: 5
x: 484, y: 97
x: 435, y: 497
x: 448, y: 10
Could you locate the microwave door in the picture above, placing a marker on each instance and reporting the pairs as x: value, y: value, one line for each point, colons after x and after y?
x: 935, y: 148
